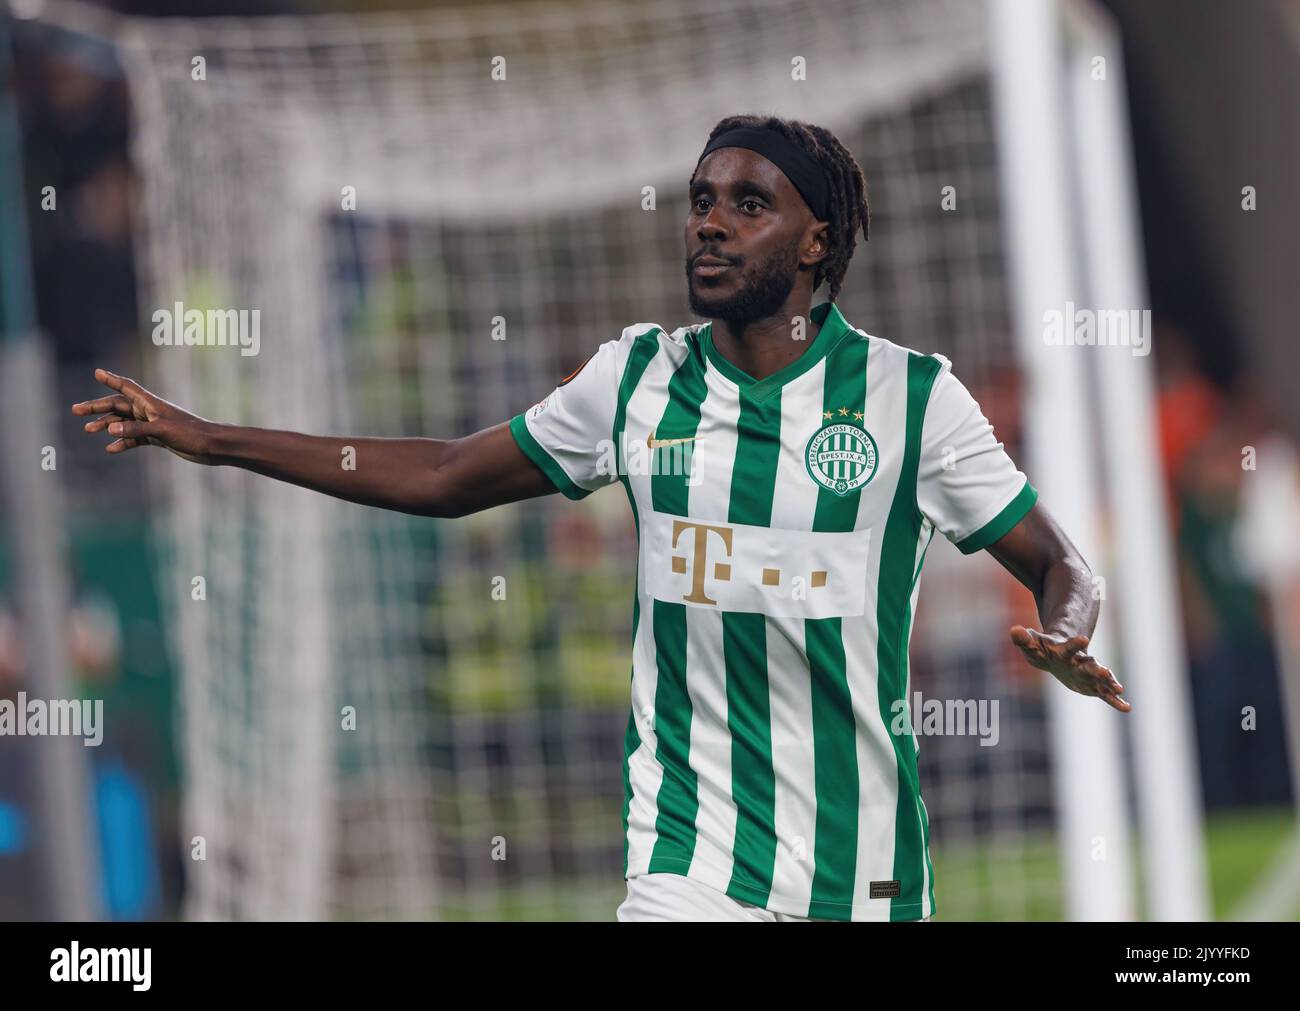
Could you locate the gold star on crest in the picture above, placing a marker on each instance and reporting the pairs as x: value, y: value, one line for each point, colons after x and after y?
x: 858, y: 415
x: 826, y: 415
x: 844, y: 412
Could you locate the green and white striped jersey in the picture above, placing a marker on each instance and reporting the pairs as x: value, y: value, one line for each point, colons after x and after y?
x: 782, y: 524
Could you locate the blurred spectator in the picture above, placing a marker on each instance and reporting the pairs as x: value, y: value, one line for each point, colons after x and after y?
x: 74, y: 105
x: 1187, y: 405
x: 1231, y: 654
x: 130, y: 871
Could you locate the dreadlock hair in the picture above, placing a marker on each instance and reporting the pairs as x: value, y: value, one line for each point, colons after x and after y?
x: 846, y: 185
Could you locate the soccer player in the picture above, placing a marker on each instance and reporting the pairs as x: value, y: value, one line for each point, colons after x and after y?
x: 786, y: 472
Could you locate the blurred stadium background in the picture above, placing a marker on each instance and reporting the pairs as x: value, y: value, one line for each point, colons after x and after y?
x: 489, y: 728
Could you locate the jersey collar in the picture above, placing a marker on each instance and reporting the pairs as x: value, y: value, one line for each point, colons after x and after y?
x: 833, y: 328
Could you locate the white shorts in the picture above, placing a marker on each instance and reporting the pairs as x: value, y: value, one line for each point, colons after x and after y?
x: 675, y: 898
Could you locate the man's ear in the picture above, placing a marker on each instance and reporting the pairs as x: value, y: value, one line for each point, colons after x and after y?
x: 818, y: 244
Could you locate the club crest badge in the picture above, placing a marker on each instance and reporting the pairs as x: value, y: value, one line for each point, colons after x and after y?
x: 841, y: 456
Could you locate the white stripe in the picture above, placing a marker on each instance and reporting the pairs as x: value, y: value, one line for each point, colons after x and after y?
x: 706, y: 681
x: 886, y: 418
x: 922, y: 543
x: 710, y: 754
x: 645, y: 773
x: 794, y: 505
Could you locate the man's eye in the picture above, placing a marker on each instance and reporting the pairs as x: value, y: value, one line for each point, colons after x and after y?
x: 699, y: 201
x: 754, y: 204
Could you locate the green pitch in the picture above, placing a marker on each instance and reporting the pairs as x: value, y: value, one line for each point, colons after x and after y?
x: 1018, y: 880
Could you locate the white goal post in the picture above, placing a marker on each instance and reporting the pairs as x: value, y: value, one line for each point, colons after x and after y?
x: 1069, y: 194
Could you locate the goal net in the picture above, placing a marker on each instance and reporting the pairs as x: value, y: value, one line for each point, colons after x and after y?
x: 438, y: 214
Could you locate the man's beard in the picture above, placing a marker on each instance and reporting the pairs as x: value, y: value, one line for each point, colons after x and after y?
x: 759, y: 297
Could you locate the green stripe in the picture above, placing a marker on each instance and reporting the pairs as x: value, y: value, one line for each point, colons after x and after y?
x: 920, y: 804
x: 753, y: 781
x: 681, y: 417
x: 643, y: 351
x: 844, y: 396
x: 1000, y: 525
x: 534, y: 451
x: 631, y: 741
x: 898, y: 572
x: 835, y: 766
x: 744, y: 650
x: 758, y: 451
x: 678, y: 799
x: 835, y: 758
x: 925, y: 827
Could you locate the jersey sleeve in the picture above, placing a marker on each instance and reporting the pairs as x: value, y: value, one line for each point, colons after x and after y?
x: 569, y: 432
x: 967, y: 485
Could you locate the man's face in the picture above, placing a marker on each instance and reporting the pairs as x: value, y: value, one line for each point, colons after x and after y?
x: 743, y: 235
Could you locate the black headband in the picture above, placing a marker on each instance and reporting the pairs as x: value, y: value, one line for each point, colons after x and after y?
x: 799, y: 167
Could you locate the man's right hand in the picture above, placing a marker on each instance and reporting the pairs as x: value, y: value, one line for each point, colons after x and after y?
x: 139, y: 418
x: 423, y: 477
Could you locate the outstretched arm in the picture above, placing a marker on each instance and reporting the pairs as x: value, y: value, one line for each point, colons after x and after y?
x: 1037, y: 552
x: 426, y: 477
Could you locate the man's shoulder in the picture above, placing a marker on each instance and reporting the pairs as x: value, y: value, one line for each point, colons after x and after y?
x: 645, y: 339
x: 683, y: 336
x: 887, y: 353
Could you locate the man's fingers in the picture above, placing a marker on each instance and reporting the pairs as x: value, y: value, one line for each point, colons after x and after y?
x: 1076, y: 669
x: 116, y: 403
x: 113, y: 382
x: 121, y: 445
x: 1023, y: 637
x: 1103, y: 674
x: 117, y: 408
x: 1031, y: 644
x: 129, y: 387
x: 101, y: 423
x: 1098, y: 689
x: 1099, y: 681
x: 134, y: 429
x: 1100, y: 671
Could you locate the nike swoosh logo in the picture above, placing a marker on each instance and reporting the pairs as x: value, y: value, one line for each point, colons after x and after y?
x: 653, y: 443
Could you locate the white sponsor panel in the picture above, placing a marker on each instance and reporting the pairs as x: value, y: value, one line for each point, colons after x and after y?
x: 765, y: 570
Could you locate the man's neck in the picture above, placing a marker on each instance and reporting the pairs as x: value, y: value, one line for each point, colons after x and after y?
x: 763, y: 347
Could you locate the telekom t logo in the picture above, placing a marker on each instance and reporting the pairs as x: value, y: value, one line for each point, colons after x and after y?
x: 700, y: 549
x: 793, y: 583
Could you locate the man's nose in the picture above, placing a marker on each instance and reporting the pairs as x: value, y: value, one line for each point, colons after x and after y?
x: 712, y: 227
